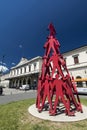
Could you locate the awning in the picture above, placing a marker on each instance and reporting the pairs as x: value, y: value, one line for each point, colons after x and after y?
x: 82, y: 79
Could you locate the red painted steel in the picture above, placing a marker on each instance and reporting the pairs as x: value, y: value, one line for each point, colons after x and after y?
x: 54, y: 87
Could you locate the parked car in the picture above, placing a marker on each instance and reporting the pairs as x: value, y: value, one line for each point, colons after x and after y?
x: 25, y: 87
x: 82, y: 90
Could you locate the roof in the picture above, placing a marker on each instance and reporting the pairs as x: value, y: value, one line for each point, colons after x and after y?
x: 24, y: 61
x: 75, y: 49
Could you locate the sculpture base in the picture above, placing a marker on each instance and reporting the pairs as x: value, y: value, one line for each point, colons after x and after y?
x: 60, y: 117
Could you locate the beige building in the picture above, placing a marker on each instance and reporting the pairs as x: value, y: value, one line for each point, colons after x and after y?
x: 76, y: 61
x: 25, y: 72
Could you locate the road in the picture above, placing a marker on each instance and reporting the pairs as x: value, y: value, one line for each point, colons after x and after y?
x: 4, y: 99
x: 10, y: 95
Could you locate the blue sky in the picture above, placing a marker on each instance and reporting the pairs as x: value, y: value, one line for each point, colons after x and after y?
x: 23, y: 26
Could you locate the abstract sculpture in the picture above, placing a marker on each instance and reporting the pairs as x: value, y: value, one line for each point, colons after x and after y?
x: 53, y: 84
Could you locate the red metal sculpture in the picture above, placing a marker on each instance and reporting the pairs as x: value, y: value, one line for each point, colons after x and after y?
x: 53, y: 84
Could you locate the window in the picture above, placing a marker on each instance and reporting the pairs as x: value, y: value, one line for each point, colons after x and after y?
x: 29, y: 68
x: 86, y: 83
x: 21, y: 71
x: 24, y: 69
x: 17, y: 71
x: 76, y: 60
x: 79, y: 83
x: 34, y: 66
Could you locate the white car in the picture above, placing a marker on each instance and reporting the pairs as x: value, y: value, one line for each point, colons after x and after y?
x: 82, y: 90
x: 25, y: 87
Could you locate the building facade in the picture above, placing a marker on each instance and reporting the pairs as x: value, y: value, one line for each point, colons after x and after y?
x: 25, y: 72
x: 76, y: 61
x: 3, y: 81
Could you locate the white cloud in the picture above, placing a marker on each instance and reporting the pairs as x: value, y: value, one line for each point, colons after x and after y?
x: 4, y: 63
x: 3, y: 68
x: 20, y: 46
x: 13, y: 63
x: 0, y: 62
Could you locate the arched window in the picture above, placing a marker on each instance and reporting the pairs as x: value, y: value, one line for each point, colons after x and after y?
x: 20, y: 83
x: 86, y: 83
x: 24, y: 82
x: 29, y: 81
x: 79, y: 83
